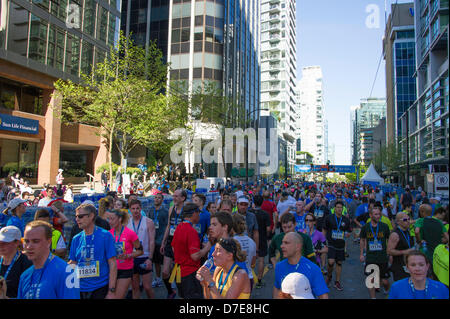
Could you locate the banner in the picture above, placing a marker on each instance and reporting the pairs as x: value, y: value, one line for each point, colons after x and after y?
x: 18, y: 124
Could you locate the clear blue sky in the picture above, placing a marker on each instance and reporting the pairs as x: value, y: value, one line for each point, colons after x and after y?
x: 334, y: 35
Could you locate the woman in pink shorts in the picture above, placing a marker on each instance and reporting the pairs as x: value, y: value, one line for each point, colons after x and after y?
x: 125, y: 240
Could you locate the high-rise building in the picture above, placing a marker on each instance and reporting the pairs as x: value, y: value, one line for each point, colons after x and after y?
x: 279, y: 69
x: 204, y: 41
x: 365, y: 117
x: 399, y: 53
x: 42, y: 41
x: 311, y: 113
x: 424, y: 138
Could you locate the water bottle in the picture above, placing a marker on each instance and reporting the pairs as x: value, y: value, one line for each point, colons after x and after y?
x: 209, y: 263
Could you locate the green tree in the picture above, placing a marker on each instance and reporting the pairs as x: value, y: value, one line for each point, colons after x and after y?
x: 389, y: 160
x: 123, y: 97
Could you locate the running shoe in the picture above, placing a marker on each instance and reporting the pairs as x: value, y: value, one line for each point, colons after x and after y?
x: 338, y: 286
x: 157, y: 282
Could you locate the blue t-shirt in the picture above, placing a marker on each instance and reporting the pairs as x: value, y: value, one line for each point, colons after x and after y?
x: 305, y: 267
x: 402, y: 290
x: 361, y: 210
x: 330, y: 197
x: 56, y: 280
x: 300, y: 222
x: 101, y: 242
x: 16, y: 221
x: 205, y: 221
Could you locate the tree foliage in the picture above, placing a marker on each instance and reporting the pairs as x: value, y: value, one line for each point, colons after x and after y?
x: 123, y: 96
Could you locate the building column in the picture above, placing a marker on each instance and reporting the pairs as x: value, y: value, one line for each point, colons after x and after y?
x: 48, y: 164
x: 100, y: 157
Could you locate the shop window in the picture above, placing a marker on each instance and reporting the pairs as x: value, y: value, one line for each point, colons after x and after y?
x: 19, y: 157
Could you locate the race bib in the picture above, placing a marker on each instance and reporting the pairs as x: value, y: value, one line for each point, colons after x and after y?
x: 337, y: 234
x: 375, y: 245
x: 318, y: 213
x: 156, y: 223
x: 88, y: 271
x: 172, y: 230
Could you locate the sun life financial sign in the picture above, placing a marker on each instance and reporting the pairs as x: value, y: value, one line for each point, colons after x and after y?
x: 18, y: 124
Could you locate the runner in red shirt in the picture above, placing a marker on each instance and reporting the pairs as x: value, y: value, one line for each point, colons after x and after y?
x: 269, y: 206
x: 187, y: 254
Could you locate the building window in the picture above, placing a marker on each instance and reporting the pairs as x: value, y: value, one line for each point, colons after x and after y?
x: 18, y: 29
x: 38, y: 39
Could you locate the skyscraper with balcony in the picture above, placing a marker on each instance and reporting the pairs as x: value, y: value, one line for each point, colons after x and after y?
x: 279, y: 68
x: 310, y: 107
x: 425, y: 126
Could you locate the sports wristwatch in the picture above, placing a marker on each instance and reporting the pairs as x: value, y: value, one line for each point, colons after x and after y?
x: 211, y: 284
x: 112, y: 289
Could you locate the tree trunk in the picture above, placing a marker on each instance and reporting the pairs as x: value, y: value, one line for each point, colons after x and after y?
x: 110, y: 158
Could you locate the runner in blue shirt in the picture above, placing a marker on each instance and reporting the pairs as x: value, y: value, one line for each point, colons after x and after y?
x: 294, y: 262
x: 17, y: 208
x: 94, y: 253
x: 418, y: 286
x: 50, y: 277
x: 205, y: 216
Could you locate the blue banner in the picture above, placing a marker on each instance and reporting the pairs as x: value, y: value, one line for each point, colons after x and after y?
x: 18, y: 124
x: 325, y: 168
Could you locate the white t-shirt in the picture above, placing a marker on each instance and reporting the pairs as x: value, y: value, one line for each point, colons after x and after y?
x: 282, y: 206
x: 44, y: 202
x: 393, y: 202
x: 249, y: 246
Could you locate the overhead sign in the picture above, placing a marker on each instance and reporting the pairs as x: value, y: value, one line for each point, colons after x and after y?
x: 325, y: 168
x: 18, y: 124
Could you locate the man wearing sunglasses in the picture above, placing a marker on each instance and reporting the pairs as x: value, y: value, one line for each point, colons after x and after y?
x: 94, y: 253
x: 399, y: 245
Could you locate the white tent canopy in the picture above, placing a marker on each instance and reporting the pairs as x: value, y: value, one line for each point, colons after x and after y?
x: 372, y: 176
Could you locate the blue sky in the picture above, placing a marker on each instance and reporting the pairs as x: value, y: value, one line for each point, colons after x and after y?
x: 334, y: 35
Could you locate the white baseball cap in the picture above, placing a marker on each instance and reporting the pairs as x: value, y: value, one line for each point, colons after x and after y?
x: 9, y: 234
x: 436, y: 198
x: 297, y: 285
x: 243, y: 199
x: 15, y: 202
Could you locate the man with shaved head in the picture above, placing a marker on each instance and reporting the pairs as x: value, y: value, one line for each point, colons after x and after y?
x: 292, y: 249
x: 400, y: 243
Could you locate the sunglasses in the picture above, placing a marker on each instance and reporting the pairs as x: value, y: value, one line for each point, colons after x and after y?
x: 405, y: 219
x: 309, y: 220
x: 80, y: 216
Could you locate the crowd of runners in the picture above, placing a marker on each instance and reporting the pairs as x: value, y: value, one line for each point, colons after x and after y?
x: 200, y: 249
